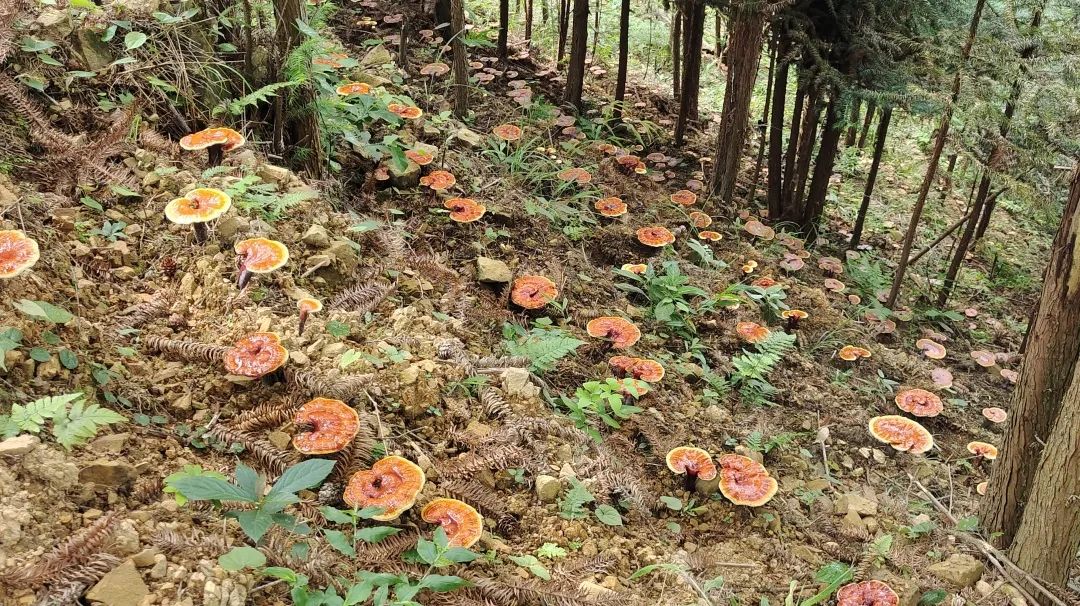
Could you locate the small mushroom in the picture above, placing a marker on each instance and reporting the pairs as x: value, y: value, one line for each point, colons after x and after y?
x: 307, y: 306
x: 333, y: 425
x: 711, y: 236
x: 655, y: 236
x: 461, y: 522
x: 700, y: 220
x: 983, y: 449
x: 684, y: 197
x: 610, y: 207
x: 464, y: 210
x: 1009, y: 375
x: 901, y: 433
x: 216, y: 141
x: 919, y: 402
x: 18, y: 253
x: 635, y: 268
x: 354, y: 89
x: 994, y: 415
x: 744, y: 481
x: 834, y: 285
x: 642, y: 369
x: 630, y: 163
x: 695, y: 463
x: 981, y: 488
x: 831, y: 266
x: 422, y: 157
x: 751, y: 332
x: 792, y: 263
x: 793, y: 317
x: 507, y: 132
x: 931, y: 349
x: 197, y: 208
x: 331, y: 60
x: 256, y: 355
x: 533, y: 292
x: 259, y: 256
x: 574, y: 175
x: 850, y: 353
x: 942, y: 377
x: 438, y: 180
x: 867, y: 593
x: 759, y: 230
x: 392, y: 484
x: 984, y: 358
x: 408, y: 112
x: 435, y: 70
x: 854, y: 299
x: 749, y: 266
x: 622, y: 333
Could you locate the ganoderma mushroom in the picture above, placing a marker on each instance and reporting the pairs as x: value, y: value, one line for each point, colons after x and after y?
x: 435, y: 69
x: 834, y: 285
x: 642, y: 369
x: 764, y: 282
x: 629, y: 163
x: 621, y: 332
x: 438, y: 180
x: 919, y: 402
x: 329, y: 426
x: 420, y: 156
x: 983, y: 449
x: 610, y: 207
x: 574, y: 175
x: 408, y: 112
x: 256, y: 355
x: 461, y: 522
x: 867, y: 593
x: 711, y: 236
x: 216, y: 141
x: 831, y: 266
x: 533, y: 292
x: 994, y: 415
x: 655, y: 236
x: 759, y: 230
x: 695, y: 463
x: 1009, y: 375
x: 392, y: 484
x: 354, y: 89
x: 984, y: 358
x: 635, y: 268
x: 792, y: 263
x: 942, y: 377
x: 507, y: 132
x: 744, y: 481
x: 751, y: 332
x: 901, y: 433
x: 18, y: 253
x: 793, y: 317
x: 981, y: 488
x: 197, y: 208
x: 700, y: 220
x: 259, y: 256
x: 850, y: 353
x: 684, y: 197
x: 931, y: 349
x: 307, y: 306
x: 464, y: 210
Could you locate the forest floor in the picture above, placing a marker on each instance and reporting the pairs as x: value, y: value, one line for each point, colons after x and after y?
x: 428, y: 343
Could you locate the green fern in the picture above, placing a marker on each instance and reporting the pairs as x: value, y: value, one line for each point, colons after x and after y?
x: 82, y: 423
x: 70, y: 427
x: 544, y: 345
x: 237, y: 107
x: 752, y: 368
x: 32, y: 416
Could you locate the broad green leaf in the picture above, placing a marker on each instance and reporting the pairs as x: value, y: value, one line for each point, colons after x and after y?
x: 427, y: 551
x: 933, y: 597
x: 242, y: 557
x: 134, y: 40
x: 31, y: 44
x: 39, y: 354
x: 460, y: 555
x: 92, y: 203
x: 375, y: 534
x: 255, y: 524
x: 42, y: 310
x: 608, y: 515
x: 441, y: 582
x: 645, y: 570
x: 672, y: 503
x: 335, y: 515
x: 339, y: 541
x: 302, y: 476
x: 249, y: 481
x: 68, y: 359
x: 202, y: 488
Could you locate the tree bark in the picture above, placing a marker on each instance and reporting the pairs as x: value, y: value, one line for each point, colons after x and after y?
x: 870, y: 110
x: 302, y: 130
x: 442, y: 12
x: 528, y: 22
x: 694, y: 35
x: 965, y: 241
x: 719, y: 33
x: 747, y: 25
x: 935, y: 158
x: 814, y: 206
x: 763, y: 125
x: 853, y: 123
x: 502, y: 46
x: 793, y: 141
x: 564, y: 29
x: 461, y: 68
x: 871, y: 178
x: 676, y: 50
x: 776, y: 126
x: 579, y: 46
x: 624, y: 57
x: 804, y: 152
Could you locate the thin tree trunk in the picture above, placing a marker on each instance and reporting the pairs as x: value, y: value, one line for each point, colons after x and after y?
x: 545, y: 12
x: 871, y: 178
x: 805, y: 151
x: 502, y: 46
x: 719, y: 33
x: 596, y: 30
x: 624, y: 55
x: 793, y: 141
x: 776, y: 127
x: 564, y: 29
x: 935, y: 159
x: 1053, y: 344
x: 575, y: 75
x: 694, y: 36
x: 823, y: 169
x: 461, y: 68
x: 950, y: 166
x: 964, y: 242
x: 676, y: 50
x: 302, y: 131
x: 528, y: 22
x: 853, y: 123
x: 442, y: 12
x: 763, y: 126
x: 870, y: 109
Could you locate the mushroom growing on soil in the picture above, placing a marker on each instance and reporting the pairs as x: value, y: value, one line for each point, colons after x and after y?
x: 435, y: 69
x: 216, y: 141
x: 982, y: 449
x: 464, y: 210
x: 984, y: 358
x: 1009, y: 375
x: 259, y: 256
x: 635, y: 268
x: 18, y: 253
x: 711, y: 236
x: 942, y: 377
x: 533, y: 292
x: 307, y: 306
x: 642, y: 369
x: 919, y: 402
x: 751, y: 332
x: 354, y: 88
x: 256, y: 355
x: 329, y: 426
x: 422, y: 157
x: 461, y: 522
x: 981, y: 488
x: 507, y: 132
x: 655, y: 236
x: 575, y: 175
x: 831, y: 266
x: 867, y: 593
x: 850, y: 353
x: 994, y: 415
x: 793, y: 317
x: 931, y: 349
x: 834, y: 285
x: 408, y: 112
x: 700, y: 220
x: 684, y: 197
x: 744, y: 481
x: 392, y: 484
x: 901, y: 433
x: 695, y: 463
x: 759, y: 230
x: 438, y: 180
x: 610, y: 207
x: 792, y: 263
x: 197, y: 208
x: 630, y: 164
x: 622, y: 333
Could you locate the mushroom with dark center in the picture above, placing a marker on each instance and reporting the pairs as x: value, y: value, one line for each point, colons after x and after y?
x: 695, y: 463
x: 983, y: 450
x: 850, y: 353
x: 610, y: 207
x: 919, y: 402
x: 438, y: 180
x: 834, y: 285
x: 461, y: 522
x: 931, y: 349
x: 464, y: 210
x: 831, y: 266
x: 867, y: 593
x: 759, y: 230
x: 655, y: 236
x: 901, y: 433
x: 216, y: 141
x: 259, y: 256
x: 421, y: 156
x: 256, y: 355
x: 793, y: 317
x: 684, y: 197
x: 744, y: 481
x: 392, y: 485
x: 622, y: 333
x: 642, y: 369
x: 711, y: 236
x: 507, y: 132
x: 307, y: 306
x: 751, y: 332
x: 18, y: 253
x: 533, y: 292
x: 994, y: 415
x: 700, y: 220
x: 408, y: 112
x: 575, y: 175
x: 354, y: 89
x: 197, y: 208
x: 326, y: 426
x: 435, y: 69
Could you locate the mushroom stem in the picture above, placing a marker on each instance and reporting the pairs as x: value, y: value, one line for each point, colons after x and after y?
x: 792, y: 323
x: 690, y: 482
x: 303, y: 321
x: 200, y: 233
x: 214, y: 155
x: 244, y: 278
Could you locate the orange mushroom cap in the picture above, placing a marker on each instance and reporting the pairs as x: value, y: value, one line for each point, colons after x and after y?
x: 354, y: 88
x: 635, y: 268
x: 622, y: 333
x: 261, y: 255
x: 18, y: 253
x: 198, y: 206
x: 995, y: 414
x: 409, y: 112
x: 642, y: 369
x: 227, y: 138
x: 982, y: 449
x: 700, y: 220
x: 711, y: 236
x: 798, y: 314
x: 831, y: 264
x: 835, y: 285
x: 692, y: 461
x: 744, y: 481
x: 751, y: 332
x: 435, y: 69
x: 610, y: 207
x: 507, y: 132
x: 867, y: 593
x: 931, y: 349
x: 464, y: 210
x: 422, y: 157
x: 334, y: 423
x: 533, y: 292
x: 333, y: 60
x: 391, y: 484
x: 656, y: 236
x: 439, y: 180
x: 901, y: 433
x: 942, y: 377
x: 309, y: 305
x: 981, y: 487
x: 984, y: 358
x: 759, y: 230
x: 256, y: 355
x: 1009, y: 375
x: 685, y: 197
x: 578, y: 175
x: 462, y: 523
x: 764, y: 282
x: 851, y: 353
x: 919, y: 402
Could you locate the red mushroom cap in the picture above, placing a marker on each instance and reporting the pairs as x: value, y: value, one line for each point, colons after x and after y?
x: 684, y: 197
x: 942, y: 377
x: 984, y: 358
x: 309, y: 305
x: 392, y: 484
x: 621, y: 332
x: 507, y: 132
x: 610, y: 207
x: 931, y: 349
x: 792, y: 262
x: 18, y: 253
x: 261, y: 255
x: 334, y: 423
x: 227, y: 138
x: 435, y: 69
x: 422, y: 157
x: 831, y: 265
x: 256, y: 355
x: 744, y: 481
x: 751, y: 332
x: 354, y: 88
x: 656, y: 236
x: 759, y: 230
x: 834, y: 285
x: 693, y: 461
x: 533, y: 292
x: 462, y: 523
x: 981, y: 487
x: 983, y: 449
x: 867, y: 593
x: 798, y: 314
x: 575, y: 175
x: 851, y: 353
x: 635, y: 268
x: 439, y: 180
x: 464, y: 210
x: 901, y: 433
x: 198, y: 206
x: 995, y: 414
x: 1009, y: 375
x: 712, y: 236
x: 409, y: 112
x: 919, y: 402
x: 642, y: 369
x: 700, y: 220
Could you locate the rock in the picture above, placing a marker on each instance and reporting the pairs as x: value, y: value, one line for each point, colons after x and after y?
x: 52, y: 467
x: 492, y: 270
x: 146, y: 557
x: 123, y: 586
x: 596, y: 591
x: 19, y: 445
x: 94, y: 54
x: 406, y: 178
x: 478, y: 429
x: 110, y: 444
x: 317, y: 236
x: 54, y: 22
x: 160, y: 567
x: 108, y: 473
x: 753, y: 455
x: 378, y: 55
x: 807, y: 554
x: 136, y: 7
x: 125, y: 539
x: 277, y: 175
x: 707, y: 487
x: 855, y: 502
x: 470, y: 138
x: 547, y: 488
x: 231, y: 225
x: 280, y: 439
x: 853, y: 526
x: 516, y: 383
x: 960, y: 569
x: 907, y: 590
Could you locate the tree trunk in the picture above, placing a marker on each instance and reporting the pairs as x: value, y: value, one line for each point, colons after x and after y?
x: 564, y: 29
x: 575, y: 75
x: 853, y: 123
x: 793, y: 141
x: 814, y: 206
x: 694, y: 34
x: 676, y: 50
x: 870, y: 109
x: 719, y: 33
x: 935, y: 159
x: 461, y: 68
x: 763, y: 125
x: 502, y: 46
x: 302, y: 131
x: 1053, y: 344
x: 804, y: 152
x: 776, y: 127
x: 624, y: 55
x: 965, y: 241
x: 528, y: 22
x: 871, y: 178
x: 442, y: 12
x: 744, y: 49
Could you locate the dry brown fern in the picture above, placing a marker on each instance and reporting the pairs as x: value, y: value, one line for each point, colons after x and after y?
x: 497, y: 458
x: 265, y: 416
x: 195, y: 542
x: 364, y: 298
x: 500, y: 362
x: 359, y: 452
x: 147, y: 490
x: 189, y: 351
x: 527, y: 428
x: 77, y: 550
x: 137, y: 315
x: 495, y: 407
x: 387, y: 550
x: 269, y: 457
x: 532, y: 592
x: 158, y: 143
x: 314, y: 383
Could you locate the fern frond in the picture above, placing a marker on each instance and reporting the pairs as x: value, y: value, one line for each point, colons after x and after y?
x: 262, y: 95
x: 76, y: 551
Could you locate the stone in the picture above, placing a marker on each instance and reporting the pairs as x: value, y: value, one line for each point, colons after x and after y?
x: 516, y: 383
x: 54, y: 22
x: 855, y: 502
x: 317, y: 236
x: 405, y: 178
x: 547, y: 488
x: 93, y: 53
x: 959, y: 569
x: 19, y: 445
x: 378, y: 55
x: 232, y: 225
x: 159, y: 568
x: 469, y: 138
x: 907, y: 590
x: 123, y: 586
x: 125, y: 539
x: 478, y: 429
x: 136, y: 7
x: 707, y: 487
x: 279, y: 439
x: 110, y: 444
x: 807, y: 554
x: 108, y: 473
x: 277, y: 175
x: 146, y: 557
x: 492, y: 270
x: 52, y: 467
